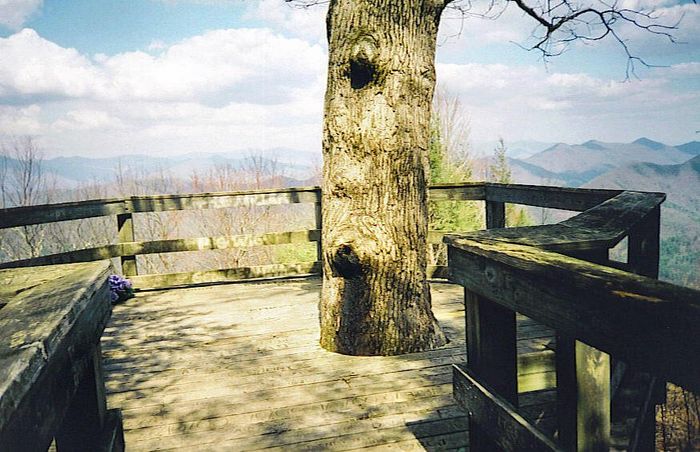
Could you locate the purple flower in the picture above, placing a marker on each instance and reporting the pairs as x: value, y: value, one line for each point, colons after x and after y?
x: 120, y: 288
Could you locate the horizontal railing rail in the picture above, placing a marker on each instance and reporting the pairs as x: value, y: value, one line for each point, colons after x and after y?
x: 574, y: 199
x: 127, y: 247
x: 649, y: 324
x: 170, y: 246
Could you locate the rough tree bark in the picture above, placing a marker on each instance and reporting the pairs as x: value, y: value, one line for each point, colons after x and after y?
x: 375, y: 298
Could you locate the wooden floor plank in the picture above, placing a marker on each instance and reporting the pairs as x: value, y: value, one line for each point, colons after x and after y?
x: 238, y: 367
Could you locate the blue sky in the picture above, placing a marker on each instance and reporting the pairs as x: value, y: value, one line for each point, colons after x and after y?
x: 110, y: 77
x: 110, y: 27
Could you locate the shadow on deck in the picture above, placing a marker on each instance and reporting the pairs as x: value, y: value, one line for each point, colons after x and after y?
x: 238, y: 367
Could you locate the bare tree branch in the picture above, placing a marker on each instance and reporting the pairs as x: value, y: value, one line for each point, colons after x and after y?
x: 559, y: 23
x: 562, y: 23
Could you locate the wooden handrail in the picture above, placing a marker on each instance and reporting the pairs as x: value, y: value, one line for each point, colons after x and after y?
x: 124, y: 209
x: 599, y: 227
x: 576, y: 199
x: 50, y: 213
x: 170, y: 246
x: 564, y: 198
x: 645, y: 322
x: 51, y: 382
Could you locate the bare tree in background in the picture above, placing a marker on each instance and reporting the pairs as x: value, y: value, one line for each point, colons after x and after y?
x: 253, y: 172
x: 131, y: 180
x: 450, y: 161
x: 24, y: 183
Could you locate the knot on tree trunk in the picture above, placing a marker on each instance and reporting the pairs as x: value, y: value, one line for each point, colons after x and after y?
x: 346, y: 263
x: 363, y: 66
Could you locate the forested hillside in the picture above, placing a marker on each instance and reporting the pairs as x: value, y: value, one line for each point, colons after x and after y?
x: 680, y: 232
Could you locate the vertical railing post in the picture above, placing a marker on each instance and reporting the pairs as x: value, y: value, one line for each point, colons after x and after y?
x: 495, y: 214
x: 491, y: 342
x: 125, y: 233
x: 86, y: 424
x: 643, y: 250
x: 643, y: 246
x: 583, y: 396
x: 318, y: 216
x: 491, y: 355
x: 583, y: 388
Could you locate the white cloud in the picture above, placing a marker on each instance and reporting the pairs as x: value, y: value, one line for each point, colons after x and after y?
x: 32, y: 65
x: 256, y: 88
x: 86, y: 119
x: 14, y: 13
x: 252, y: 64
x: 529, y: 103
x: 296, y: 20
x: 157, y: 45
x: 217, y: 61
x: 683, y: 69
x: 232, y: 89
x: 20, y: 121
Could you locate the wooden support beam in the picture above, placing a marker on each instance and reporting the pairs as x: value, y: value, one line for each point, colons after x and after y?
x: 583, y: 396
x: 491, y: 356
x: 496, y: 416
x: 643, y: 246
x: 125, y: 233
x: 583, y: 386
x: 495, y: 215
x: 643, y: 251
x: 318, y: 219
x: 87, y: 425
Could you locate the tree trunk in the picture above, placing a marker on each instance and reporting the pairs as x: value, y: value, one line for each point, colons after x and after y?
x: 381, y: 77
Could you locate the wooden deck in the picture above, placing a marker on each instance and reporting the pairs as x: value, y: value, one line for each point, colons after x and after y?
x: 237, y: 367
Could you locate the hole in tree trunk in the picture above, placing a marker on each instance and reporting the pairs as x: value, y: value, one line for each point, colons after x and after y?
x: 362, y: 73
x: 346, y: 263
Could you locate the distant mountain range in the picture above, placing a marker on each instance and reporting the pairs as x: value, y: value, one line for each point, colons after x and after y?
x: 578, y: 164
x: 575, y: 165
x: 558, y: 164
x: 680, y: 213
x: 644, y: 165
x: 70, y: 172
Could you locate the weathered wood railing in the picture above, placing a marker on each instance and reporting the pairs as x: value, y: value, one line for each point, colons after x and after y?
x: 539, y: 271
x: 51, y: 381
x: 126, y: 248
x: 124, y: 209
x: 560, y: 275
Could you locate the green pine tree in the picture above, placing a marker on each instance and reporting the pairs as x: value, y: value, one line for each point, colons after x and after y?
x: 449, y: 163
x: 500, y: 172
